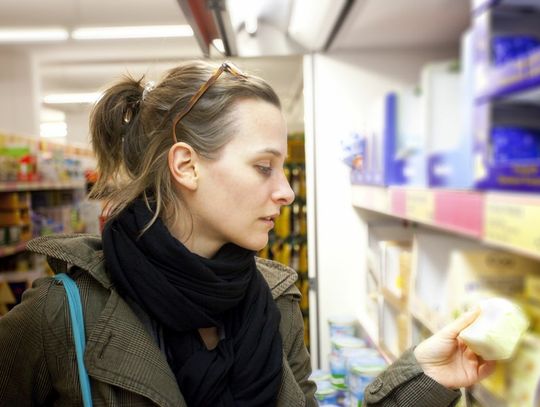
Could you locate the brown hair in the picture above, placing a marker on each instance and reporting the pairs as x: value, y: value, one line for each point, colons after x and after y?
x: 132, y: 137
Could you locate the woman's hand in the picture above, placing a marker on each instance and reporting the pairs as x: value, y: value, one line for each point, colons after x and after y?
x: 446, y: 359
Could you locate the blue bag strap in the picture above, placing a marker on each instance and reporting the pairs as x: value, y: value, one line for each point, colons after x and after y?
x: 77, y: 325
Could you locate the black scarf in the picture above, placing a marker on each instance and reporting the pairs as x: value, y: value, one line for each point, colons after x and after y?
x: 183, y: 292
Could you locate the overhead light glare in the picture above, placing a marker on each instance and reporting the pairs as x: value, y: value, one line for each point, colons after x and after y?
x: 251, y: 25
x: 71, y: 98
x: 218, y: 44
x: 9, y: 35
x: 53, y: 130
x: 143, y: 31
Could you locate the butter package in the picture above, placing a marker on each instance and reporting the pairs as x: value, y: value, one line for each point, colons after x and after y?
x: 495, y: 334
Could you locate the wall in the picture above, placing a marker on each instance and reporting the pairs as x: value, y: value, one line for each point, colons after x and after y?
x: 339, y: 91
x: 77, y: 122
x: 19, y: 94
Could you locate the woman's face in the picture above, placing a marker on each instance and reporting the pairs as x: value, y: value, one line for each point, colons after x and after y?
x: 240, y: 193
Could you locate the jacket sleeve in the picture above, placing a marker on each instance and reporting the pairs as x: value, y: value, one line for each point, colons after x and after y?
x: 24, y: 378
x: 404, y: 384
x: 298, y: 356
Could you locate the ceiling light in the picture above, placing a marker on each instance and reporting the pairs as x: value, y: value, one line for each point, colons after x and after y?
x: 251, y: 25
x: 32, y: 35
x: 147, y: 31
x: 218, y: 44
x: 63, y: 98
x: 53, y: 130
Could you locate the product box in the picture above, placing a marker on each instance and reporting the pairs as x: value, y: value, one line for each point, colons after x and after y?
x: 477, y: 274
x: 376, y: 161
x: 448, y: 105
x: 479, y: 6
x: 504, y: 36
x: 507, y: 146
x: 396, y: 268
x: 431, y: 289
x: 410, y: 163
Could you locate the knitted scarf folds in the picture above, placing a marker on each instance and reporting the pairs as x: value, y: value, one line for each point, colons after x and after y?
x: 183, y: 292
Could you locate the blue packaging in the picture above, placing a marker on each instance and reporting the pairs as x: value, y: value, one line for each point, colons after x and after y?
x: 507, y: 147
x: 507, y: 48
x: 515, y: 145
x: 379, y: 164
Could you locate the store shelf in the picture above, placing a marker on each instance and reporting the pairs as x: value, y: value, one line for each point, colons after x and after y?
x: 529, y: 85
x: 397, y: 303
x: 373, y: 338
x: 41, y: 185
x: 12, y: 249
x: 507, y: 220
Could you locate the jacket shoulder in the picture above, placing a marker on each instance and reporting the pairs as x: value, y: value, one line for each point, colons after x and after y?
x: 279, y: 277
x: 66, y: 250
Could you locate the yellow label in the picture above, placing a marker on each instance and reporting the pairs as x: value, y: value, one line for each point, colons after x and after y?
x: 379, y: 199
x: 513, y: 223
x: 420, y: 205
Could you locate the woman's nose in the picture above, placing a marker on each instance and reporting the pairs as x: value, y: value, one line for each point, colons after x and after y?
x: 284, y: 193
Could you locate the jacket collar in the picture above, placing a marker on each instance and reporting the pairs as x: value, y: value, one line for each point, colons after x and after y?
x: 85, y: 251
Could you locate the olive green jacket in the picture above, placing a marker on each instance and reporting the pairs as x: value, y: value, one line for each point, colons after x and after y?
x: 404, y: 384
x: 125, y: 365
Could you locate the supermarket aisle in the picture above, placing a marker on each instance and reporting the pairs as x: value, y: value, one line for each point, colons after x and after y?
x: 414, y: 155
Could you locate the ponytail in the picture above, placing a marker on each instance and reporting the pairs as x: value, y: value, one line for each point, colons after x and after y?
x: 113, y: 120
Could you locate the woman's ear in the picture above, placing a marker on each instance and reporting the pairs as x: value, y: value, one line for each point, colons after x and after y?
x: 183, y: 161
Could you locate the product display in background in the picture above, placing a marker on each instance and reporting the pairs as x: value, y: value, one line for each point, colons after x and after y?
x: 479, y: 117
x: 27, y: 159
x: 27, y: 214
x: 353, y: 365
x: 507, y: 66
x: 474, y: 275
x: 446, y: 275
x: 507, y: 45
x: 507, y: 146
x: 42, y: 190
x: 287, y: 242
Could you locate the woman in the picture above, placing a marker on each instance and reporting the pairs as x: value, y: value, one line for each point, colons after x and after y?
x: 177, y: 310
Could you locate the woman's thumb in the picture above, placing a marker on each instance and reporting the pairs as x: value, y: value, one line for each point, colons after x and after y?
x: 453, y: 329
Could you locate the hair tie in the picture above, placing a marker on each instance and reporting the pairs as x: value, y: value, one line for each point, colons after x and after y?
x: 148, y: 87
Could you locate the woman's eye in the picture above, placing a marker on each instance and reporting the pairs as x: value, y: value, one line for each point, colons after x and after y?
x: 265, y: 170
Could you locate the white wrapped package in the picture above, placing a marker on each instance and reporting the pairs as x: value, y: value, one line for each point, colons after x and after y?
x: 496, y: 331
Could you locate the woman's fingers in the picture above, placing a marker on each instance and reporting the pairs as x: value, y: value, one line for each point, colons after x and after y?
x: 485, y: 369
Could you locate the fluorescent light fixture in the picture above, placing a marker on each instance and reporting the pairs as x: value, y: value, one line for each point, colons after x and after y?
x: 53, y: 130
x: 218, y: 44
x: 8, y: 35
x: 63, y: 98
x: 251, y: 24
x: 245, y: 13
x: 310, y: 25
x: 143, y: 31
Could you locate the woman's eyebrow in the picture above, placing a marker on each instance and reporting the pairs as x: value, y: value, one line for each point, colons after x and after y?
x: 270, y: 151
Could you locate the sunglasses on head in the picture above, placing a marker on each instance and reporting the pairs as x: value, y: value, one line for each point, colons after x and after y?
x: 225, y: 67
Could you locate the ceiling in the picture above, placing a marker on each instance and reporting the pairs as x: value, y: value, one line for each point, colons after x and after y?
x: 83, y: 66
x: 376, y: 24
